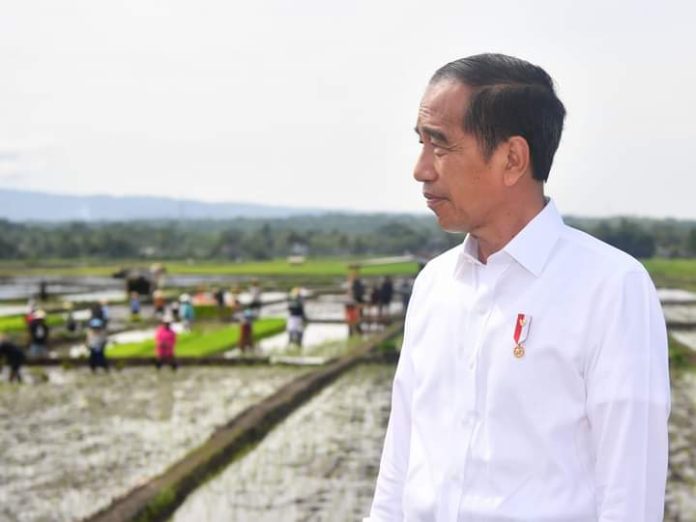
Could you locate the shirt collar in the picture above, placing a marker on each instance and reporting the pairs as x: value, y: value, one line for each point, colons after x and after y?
x: 532, y: 245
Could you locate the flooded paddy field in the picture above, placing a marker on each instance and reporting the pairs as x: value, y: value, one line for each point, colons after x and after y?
x: 70, y: 441
x: 676, y: 295
x: 680, y: 313
x: 680, y: 505
x: 315, y: 336
x: 23, y: 287
x: 321, y: 463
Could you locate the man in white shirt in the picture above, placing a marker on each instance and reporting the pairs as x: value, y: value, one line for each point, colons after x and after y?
x: 533, y: 380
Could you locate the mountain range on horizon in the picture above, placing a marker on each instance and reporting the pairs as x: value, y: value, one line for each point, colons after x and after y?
x: 44, y: 207
x: 24, y: 205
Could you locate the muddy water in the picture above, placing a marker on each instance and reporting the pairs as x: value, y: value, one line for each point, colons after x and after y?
x: 320, y: 464
x: 102, y: 295
x: 686, y: 337
x: 675, y: 295
x: 321, y: 307
x: 680, y: 313
x: 681, y: 487
x: 70, y: 441
x: 314, y: 335
x: 6, y: 310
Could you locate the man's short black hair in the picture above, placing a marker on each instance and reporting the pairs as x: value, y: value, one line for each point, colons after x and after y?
x: 511, y: 98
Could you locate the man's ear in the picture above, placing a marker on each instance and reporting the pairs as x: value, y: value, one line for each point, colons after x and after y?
x: 517, y: 160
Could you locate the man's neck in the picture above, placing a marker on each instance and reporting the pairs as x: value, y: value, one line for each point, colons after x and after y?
x: 498, y: 234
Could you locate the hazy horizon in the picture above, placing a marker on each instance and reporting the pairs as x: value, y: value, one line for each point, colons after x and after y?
x: 274, y: 211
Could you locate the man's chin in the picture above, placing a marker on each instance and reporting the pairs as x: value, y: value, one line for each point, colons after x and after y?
x: 449, y: 225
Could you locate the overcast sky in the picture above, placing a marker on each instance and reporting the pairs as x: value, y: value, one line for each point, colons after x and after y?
x: 313, y: 102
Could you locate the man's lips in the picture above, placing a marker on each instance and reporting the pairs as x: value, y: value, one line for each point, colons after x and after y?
x: 433, y: 199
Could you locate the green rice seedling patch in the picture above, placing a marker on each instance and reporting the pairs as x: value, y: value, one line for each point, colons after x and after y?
x: 201, y: 342
x: 17, y: 323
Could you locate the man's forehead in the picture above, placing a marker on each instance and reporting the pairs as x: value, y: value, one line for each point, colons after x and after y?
x: 444, y: 101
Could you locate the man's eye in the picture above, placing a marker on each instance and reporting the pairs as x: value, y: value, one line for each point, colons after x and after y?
x: 438, y: 148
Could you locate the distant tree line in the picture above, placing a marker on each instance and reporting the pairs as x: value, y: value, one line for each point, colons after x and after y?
x: 328, y: 235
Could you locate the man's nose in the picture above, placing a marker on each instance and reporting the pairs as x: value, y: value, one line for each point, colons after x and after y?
x: 424, y: 169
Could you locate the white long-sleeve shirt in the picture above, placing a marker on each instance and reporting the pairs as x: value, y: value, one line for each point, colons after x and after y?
x: 574, y: 430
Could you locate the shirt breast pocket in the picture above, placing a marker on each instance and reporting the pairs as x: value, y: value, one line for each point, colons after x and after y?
x: 535, y: 369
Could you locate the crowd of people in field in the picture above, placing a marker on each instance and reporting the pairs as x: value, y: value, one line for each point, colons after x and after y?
x: 365, y: 305
x: 371, y: 304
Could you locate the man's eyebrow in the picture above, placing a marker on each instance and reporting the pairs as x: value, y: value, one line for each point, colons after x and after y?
x: 435, y: 134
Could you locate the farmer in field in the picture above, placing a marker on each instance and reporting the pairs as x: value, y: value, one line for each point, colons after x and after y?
x: 357, y: 289
x: 296, y: 317
x: 352, y: 317
x: 96, y: 343
x: 219, y: 296
x: 255, y: 292
x: 165, y: 342
x: 13, y: 356
x: 533, y: 380
x: 159, y: 303
x: 375, y: 300
x: 405, y: 289
x: 100, y: 311
x: 246, y: 333
x: 233, y: 302
x: 186, y: 311
x: 386, y: 294
x: 70, y: 321
x: 134, y: 305
x: 38, y: 334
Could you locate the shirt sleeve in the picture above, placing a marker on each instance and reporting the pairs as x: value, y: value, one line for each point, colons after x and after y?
x: 628, y: 402
x: 387, y: 504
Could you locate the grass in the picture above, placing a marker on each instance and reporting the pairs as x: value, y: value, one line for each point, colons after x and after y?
x: 672, y: 273
x: 665, y: 272
x: 16, y: 323
x: 276, y: 267
x: 680, y: 356
x: 280, y: 267
x: 391, y: 345
x: 211, y: 312
x: 201, y: 343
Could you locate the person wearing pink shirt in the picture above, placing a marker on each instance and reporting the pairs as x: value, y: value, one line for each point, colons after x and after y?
x: 165, y: 341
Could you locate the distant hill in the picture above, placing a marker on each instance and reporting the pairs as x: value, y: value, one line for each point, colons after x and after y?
x: 20, y: 205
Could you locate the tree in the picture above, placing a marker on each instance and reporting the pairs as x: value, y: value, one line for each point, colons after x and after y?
x: 629, y: 237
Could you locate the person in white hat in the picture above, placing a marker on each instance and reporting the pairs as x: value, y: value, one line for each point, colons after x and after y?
x: 38, y: 334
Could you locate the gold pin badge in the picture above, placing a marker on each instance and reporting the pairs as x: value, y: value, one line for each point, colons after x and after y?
x: 520, y: 334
